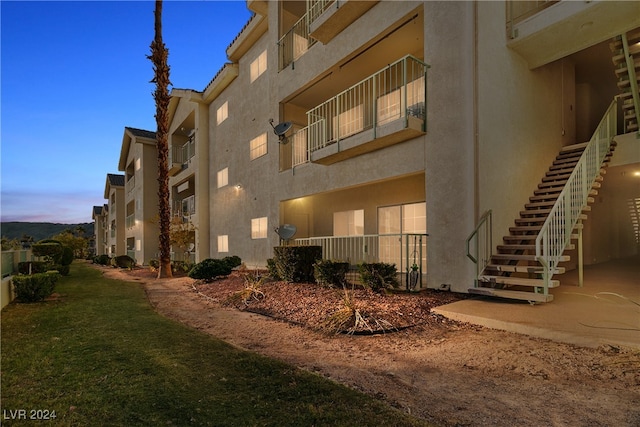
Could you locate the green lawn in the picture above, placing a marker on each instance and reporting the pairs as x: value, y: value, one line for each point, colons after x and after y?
x: 101, y: 356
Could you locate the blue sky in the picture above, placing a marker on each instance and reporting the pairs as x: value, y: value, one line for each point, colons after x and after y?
x: 73, y: 75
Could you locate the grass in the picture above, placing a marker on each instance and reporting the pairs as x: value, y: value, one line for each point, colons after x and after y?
x: 101, y: 356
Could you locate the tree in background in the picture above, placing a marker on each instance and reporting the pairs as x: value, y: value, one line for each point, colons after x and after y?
x: 159, y: 55
x: 78, y: 244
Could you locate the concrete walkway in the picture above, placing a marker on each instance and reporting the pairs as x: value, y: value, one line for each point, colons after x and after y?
x: 606, y: 310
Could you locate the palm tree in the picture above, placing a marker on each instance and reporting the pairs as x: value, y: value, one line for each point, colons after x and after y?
x: 159, y: 54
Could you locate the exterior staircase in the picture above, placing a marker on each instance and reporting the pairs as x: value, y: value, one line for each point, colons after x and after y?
x: 625, y: 50
x: 549, y: 225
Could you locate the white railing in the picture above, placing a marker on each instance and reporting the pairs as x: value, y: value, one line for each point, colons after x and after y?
x: 315, y: 8
x: 556, y: 231
x: 395, y: 92
x: 130, y: 221
x: 186, y: 206
x: 403, y: 250
x: 294, y: 43
x: 181, y: 154
x: 300, y: 148
x: 481, y: 240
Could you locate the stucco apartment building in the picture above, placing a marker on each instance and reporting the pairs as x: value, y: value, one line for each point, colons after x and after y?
x: 101, y: 229
x: 391, y: 130
x: 113, y: 216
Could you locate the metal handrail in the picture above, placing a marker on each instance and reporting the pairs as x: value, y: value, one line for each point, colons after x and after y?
x: 555, y: 233
x: 485, y: 223
x: 633, y: 79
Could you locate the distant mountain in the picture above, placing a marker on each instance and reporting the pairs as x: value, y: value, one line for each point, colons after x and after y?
x: 40, y: 230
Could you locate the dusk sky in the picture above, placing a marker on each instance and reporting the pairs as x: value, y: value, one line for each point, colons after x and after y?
x: 74, y: 74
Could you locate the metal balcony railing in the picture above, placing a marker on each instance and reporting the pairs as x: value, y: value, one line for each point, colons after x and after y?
x: 519, y: 10
x: 185, y: 207
x: 130, y: 184
x: 181, y: 154
x: 404, y: 250
x: 395, y: 92
x: 315, y: 8
x: 130, y: 221
x: 294, y: 43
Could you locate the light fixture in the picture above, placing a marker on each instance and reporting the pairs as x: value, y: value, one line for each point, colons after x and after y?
x: 238, y: 186
x: 636, y: 173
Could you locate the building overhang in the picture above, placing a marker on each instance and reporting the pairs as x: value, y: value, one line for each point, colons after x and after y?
x: 567, y: 27
x: 247, y: 37
x: 225, y: 76
x: 337, y: 17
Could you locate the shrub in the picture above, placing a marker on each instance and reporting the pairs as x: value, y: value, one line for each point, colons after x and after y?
x: 378, y: 275
x: 62, y: 269
x: 36, y: 267
x: 50, y: 249
x: 67, y: 255
x: 273, y: 271
x: 154, y: 264
x: 102, y: 259
x: 35, y: 287
x: 295, y: 263
x: 233, y: 261
x: 123, y: 261
x: 209, y: 269
x: 330, y: 273
x: 180, y: 266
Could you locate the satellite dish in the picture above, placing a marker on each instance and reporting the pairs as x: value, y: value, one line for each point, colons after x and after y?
x: 192, y: 246
x: 281, y: 129
x: 286, y: 231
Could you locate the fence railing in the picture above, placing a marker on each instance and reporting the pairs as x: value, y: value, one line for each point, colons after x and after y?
x: 479, y: 243
x: 130, y: 184
x: 130, y: 221
x: 294, y: 43
x: 395, y: 92
x: 300, y: 147
x: 556, y: 231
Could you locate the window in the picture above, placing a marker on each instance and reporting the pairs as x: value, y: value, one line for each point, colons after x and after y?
x: 348, y: 223
x: 258, y: 146
x: 258, y: 66
x: 223, y: 177
x: 259, y: 228
x: 223, y: 243
x: 407, y: 219
x: 223, y: 112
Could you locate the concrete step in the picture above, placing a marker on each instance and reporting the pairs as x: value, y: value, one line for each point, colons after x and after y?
x: 516, y: 281
x: 519, y: 295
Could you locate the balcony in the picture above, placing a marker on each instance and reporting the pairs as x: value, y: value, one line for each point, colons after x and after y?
x: 294, y: 43
x: 403, y: 250
x: 130, y: 221
x: 180, y: 155
x: 384, y: 109
x: 185, y: 207
x: 327, y: 18
x: 544, y: 31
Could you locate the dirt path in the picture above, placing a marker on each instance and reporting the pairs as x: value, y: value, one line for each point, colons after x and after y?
x: 450, y: 375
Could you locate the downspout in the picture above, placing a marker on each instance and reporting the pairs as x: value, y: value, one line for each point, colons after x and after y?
x: 476, y: 143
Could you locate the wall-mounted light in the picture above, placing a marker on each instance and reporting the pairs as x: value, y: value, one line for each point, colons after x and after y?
x: 238, y: 186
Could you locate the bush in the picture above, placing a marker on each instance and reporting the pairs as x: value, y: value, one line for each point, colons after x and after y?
x: 273, y: 271
x: 154, y: 264
x: 62, y: 269
x: 35, y: 287
x: 295, y: 263
x: 123, y: 261
x: 102, y: 259
x: 179, y: 266
x: 233, y: 261
x: 51, y: 249
x: 36, y: 267
x: 378, y: 276
x: 67, y: 255
x: 209, y: 269
x: 331, y: 273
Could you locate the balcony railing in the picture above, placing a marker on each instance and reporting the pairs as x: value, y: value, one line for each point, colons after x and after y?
x: 130, y: 221
x: 317, y: 7
x: 396, y: 92
x: 403, y: 250
x: 186, y: 206
x: 130, y: 184
x: 294, y: 43
x: 300, y: 151
x: 518, y: 10
x: 181, y: 154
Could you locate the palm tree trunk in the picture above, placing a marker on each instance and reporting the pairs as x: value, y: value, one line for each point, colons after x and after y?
x: 159, y: 55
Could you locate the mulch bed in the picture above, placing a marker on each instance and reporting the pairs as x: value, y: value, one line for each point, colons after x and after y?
x: 314, y: 306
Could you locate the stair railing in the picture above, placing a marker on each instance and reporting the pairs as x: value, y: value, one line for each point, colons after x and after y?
x: 556, y: 231
x: 482, y: 243
x: 633, y: 79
